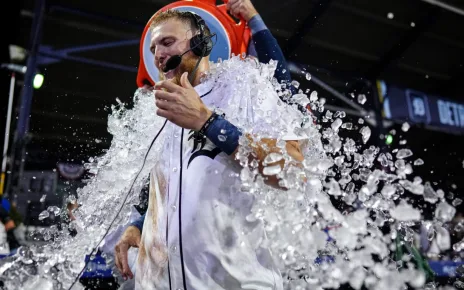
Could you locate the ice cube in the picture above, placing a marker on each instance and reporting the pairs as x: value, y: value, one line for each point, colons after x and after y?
x: 405, y: 127
x: 54, y: 209
x: 443, y: 239
x: 272, y: 158
x: 361, y: 99
x: 272, y: 170
x: 43, y: 215
x: 444, y: 212
x: 336, y: 124
x: 313, y: 97
x: 403, y: 153
x: 366, y: 133
x: 405, y: 212
x: 296, y: 84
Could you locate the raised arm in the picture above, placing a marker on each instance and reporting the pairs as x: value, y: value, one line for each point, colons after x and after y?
x: 264, y: 46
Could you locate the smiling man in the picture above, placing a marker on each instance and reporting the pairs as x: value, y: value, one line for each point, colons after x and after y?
x: 196, y: 234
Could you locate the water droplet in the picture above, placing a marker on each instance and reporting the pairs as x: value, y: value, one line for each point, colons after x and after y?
x: 366, y: 133
x: 272, y: 170
x: 347, y: 126
x: 43, y: 215
x: 54, y: 209
x: 456, y: 202
x: 295, y: 84
x: 308, y: 76
x: 42, y: 199
x: 313, y: 96
x: 174, y: 169
x: 222, y: 138
x: 413, y: 24
x: 362, y: 99
x: 336, y: 124
x: 418, y: 162
x: 405, y: 127
x: 405, y: 212
x: 403, y: 153
x: 223, y: 131
x: 361, y: 121
x: 444, y: 211
x: 272, y: 158
x: 174, y: 207
x: 390, y: 15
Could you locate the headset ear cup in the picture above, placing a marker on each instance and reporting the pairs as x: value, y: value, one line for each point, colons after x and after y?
x: 208, y: 45
x: 198, y: 43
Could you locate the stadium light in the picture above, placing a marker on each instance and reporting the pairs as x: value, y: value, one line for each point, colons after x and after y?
x: 38, y: 80
x: 389, y: 139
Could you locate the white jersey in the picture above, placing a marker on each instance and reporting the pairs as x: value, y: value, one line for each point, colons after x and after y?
x: 203, y: 228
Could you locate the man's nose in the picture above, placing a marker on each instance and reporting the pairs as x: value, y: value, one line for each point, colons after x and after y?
x: 160, y: 56
x: 159, y: 59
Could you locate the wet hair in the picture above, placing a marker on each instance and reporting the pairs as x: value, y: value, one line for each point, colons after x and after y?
x: 185, y: 17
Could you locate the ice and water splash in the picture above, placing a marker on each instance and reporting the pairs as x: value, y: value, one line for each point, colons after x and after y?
x: 56, y: 264
x: 340, y: 222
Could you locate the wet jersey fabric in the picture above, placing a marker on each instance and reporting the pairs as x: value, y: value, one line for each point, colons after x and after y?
x: 196, y: 234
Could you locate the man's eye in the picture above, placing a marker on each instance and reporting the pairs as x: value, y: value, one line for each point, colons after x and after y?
x: 168, y: 43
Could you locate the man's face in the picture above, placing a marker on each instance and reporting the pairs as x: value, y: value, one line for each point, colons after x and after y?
x: 168, y: 39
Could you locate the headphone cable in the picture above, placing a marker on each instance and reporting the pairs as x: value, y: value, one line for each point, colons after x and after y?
x: 120, y: 209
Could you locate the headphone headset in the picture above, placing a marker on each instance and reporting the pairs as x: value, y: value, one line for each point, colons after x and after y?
x: 200, y: 44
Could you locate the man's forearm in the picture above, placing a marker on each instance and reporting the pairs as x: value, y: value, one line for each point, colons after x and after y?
x: 267, y: 48
x: 229, y: 144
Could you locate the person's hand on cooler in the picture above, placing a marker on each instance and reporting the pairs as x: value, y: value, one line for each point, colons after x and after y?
x: 242, y: 9
x: 130, y: 238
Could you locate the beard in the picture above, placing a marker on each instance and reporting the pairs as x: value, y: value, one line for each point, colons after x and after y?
x: 188, y: 64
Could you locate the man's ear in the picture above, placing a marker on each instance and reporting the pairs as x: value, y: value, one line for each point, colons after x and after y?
x: 189, y: 34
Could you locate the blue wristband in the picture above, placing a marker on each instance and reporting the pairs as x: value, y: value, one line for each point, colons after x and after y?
x: 138, y: 223
x: 256, y: 24
x: 223, y: 134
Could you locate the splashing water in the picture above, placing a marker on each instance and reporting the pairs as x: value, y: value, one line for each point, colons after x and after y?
x: 317, y: 244
x: 56, y: 264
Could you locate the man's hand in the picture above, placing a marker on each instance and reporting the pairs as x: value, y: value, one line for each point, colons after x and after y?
x: 130, y: 238
x: 181, y: 104
x: 242, y: 9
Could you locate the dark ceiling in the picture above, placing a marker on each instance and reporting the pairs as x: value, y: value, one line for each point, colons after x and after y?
x: 409, y: 43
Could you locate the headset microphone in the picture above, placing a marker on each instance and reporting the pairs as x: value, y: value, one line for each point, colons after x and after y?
x: 201, y: 46
x: 175, y: 60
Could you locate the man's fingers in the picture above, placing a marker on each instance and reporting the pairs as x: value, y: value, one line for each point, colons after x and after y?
x: 168, y: 85
x: 118, y: 262
x: 147, y: 87
x: 122, y: 260
x: 166, y: 96
x: 235, y: 8
x: 162, y: 104
x: 164, y: 113
x: 231, y: 2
